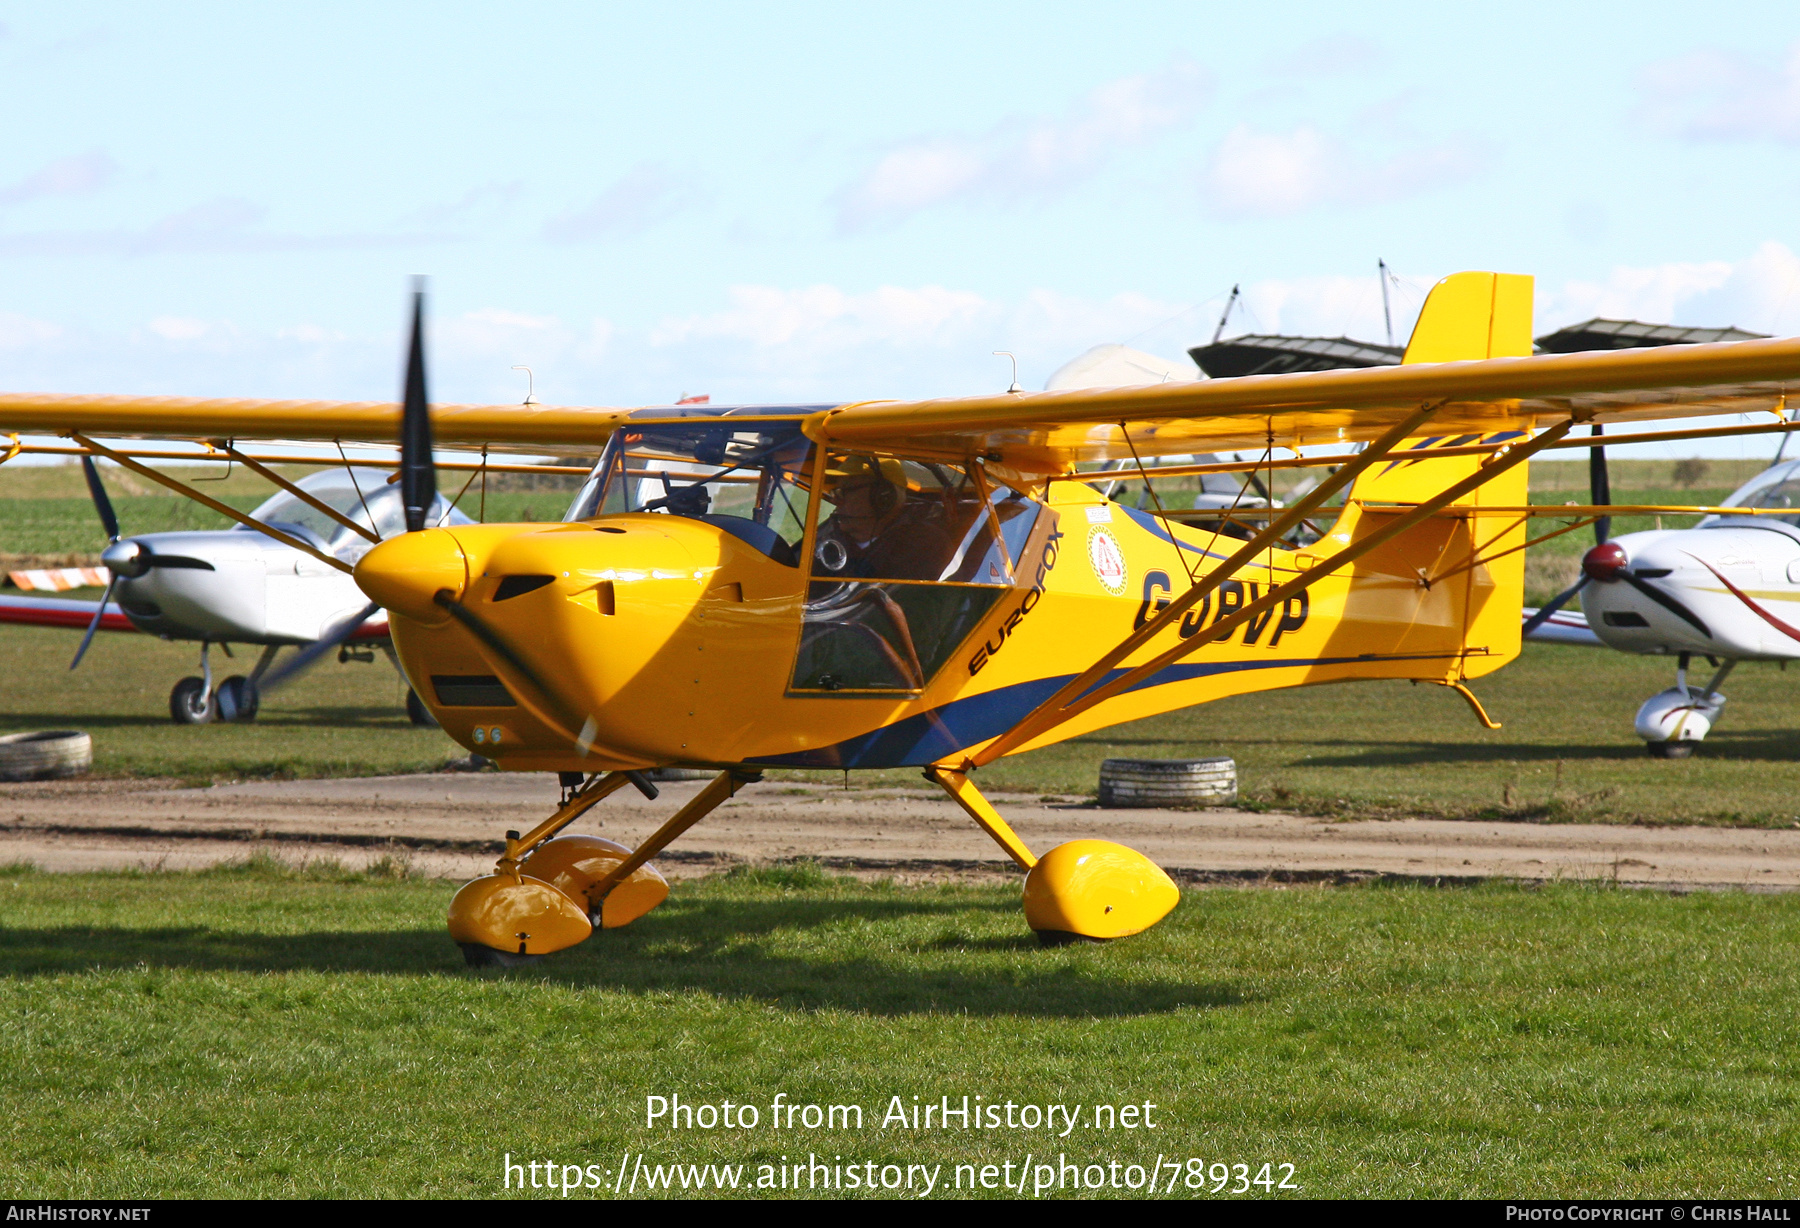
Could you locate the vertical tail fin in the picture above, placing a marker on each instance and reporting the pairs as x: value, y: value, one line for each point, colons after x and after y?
x: 1466, y: 316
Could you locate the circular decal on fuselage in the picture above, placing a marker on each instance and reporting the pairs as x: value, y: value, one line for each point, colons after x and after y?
x: 1107, y: 560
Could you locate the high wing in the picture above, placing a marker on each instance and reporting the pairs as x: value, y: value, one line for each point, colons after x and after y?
x: 1052, y: 432
x: 527, y: 428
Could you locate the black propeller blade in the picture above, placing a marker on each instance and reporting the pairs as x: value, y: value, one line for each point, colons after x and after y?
x: 102, y: 503
x: 110, y: 522
x: 418, y: 492
x: 1600, y: 495
x: 1556, y: 603
x: 418, y: 474
x: 1599, y: 488
x: 94, y: 625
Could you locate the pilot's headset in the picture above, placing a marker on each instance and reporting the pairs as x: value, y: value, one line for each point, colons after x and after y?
x: 885, y: 480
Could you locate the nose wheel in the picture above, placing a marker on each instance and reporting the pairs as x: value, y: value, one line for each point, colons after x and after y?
x: 1674, y: 722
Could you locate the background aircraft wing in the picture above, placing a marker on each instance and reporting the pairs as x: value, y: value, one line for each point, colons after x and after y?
x: 63, y: 612
x: 1563, y: 627
x: 1051, y: 432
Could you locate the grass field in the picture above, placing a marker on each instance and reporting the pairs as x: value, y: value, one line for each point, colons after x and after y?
x: 251, y: 1032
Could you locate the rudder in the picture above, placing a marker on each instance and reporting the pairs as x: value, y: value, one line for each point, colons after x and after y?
x: 1467, y: 316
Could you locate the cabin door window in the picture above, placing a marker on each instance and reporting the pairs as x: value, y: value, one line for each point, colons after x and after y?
x: 908, y: 557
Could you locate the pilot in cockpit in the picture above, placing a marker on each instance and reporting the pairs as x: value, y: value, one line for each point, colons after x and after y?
x: 880, y: 528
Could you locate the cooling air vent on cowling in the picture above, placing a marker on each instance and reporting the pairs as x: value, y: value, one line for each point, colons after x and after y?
x: 471, y: 691
x: 518, y: 586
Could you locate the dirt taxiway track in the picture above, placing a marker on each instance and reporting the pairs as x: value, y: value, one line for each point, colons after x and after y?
x: 450, y: 824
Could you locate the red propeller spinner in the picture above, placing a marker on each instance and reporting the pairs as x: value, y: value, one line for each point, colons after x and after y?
x: 1604, y: 562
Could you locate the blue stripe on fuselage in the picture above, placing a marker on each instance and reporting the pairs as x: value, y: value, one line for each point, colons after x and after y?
x: 931, y: 736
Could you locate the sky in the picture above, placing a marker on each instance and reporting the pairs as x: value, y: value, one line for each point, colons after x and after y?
x: 827, y: 202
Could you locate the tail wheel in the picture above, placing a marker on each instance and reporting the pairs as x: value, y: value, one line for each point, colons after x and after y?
x: 417, y: 712
x: 237, y: 697
x: 1670, y: 750
x: 189, y: 704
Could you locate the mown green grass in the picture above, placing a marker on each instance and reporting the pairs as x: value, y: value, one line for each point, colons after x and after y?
x: 250, y: 1032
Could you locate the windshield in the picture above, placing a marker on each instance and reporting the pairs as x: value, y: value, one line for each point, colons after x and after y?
x: 1774, y: 487
x: 743, y: 477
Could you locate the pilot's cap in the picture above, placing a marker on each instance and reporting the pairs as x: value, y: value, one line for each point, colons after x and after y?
x: 857, y: 471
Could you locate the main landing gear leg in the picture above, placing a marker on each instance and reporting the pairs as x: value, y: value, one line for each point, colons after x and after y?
x: 547, y: 894
x: 1084, y: 890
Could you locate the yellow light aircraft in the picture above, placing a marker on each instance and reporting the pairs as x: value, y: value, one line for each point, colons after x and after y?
x: 938, y: 584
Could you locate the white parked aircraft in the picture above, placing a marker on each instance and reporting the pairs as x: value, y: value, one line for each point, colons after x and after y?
x: 1727, y: 589
x: 241, y: 586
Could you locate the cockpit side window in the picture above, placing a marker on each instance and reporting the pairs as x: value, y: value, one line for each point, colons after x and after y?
x: 909, y: 557
x: 888, y: 519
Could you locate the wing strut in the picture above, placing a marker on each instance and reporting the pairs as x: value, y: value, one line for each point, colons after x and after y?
x: 1038, y: 719
x: 1076, y: 697
x: 181, y: 488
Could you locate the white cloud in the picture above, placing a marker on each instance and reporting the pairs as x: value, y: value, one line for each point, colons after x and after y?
x: 479, y: 206
x: 643, y: 197
x: 818, y: 343
x: 1018, y: 159
x: 19, y: 332
x: 178, y: 328
x: 1256, y: 174
x: 762, y: 344
x: 224, y: 224
x: 820, y: 318
x: 1722, y: 96
x: 1332, y: 306
x: 1760, y: 293
x: 74, y: 176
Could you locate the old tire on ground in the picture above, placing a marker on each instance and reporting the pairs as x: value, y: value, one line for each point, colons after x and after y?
x: 1168, y: 783
x: 189, y: 704
x: 236, y: 700
x: 45, y: 756
x: 1671, y: 750
x: 417, y: 712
